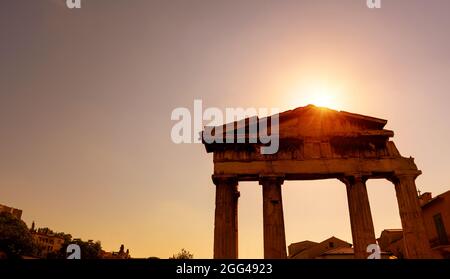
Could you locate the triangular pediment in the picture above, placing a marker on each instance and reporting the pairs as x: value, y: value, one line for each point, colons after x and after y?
x: 317, y: 122
x: 312, y: 121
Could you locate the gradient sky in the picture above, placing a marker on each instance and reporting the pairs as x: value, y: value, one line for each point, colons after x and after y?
x: 86, y: 97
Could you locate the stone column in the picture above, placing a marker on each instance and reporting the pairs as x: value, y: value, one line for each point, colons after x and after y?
x: 417, y: 245
x: 360, y: 216
x: 226, y: 217
x: 274, y: 234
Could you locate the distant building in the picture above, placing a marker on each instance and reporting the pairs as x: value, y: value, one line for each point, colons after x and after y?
x: 391, y: 241
x: 46, y: 241
x: 331, y: 248
x: 436, y: 216
x: 338, y: 253
x: 14, y: 211
x: 121, y: 255
x: 313, y: 250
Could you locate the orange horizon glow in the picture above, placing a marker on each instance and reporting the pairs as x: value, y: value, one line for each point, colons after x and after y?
x: 87, y: 94
x: 315, y: 92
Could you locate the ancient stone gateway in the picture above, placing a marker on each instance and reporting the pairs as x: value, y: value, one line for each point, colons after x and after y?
x: 317, y: 143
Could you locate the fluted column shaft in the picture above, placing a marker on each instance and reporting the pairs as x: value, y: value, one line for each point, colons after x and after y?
x: 274, y: 233
x: 226, y: 217
x: 363, y: 233
x: 417, y: 245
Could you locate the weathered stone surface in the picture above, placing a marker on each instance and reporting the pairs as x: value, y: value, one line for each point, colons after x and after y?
x: 316, y: 143
x: 363, y: 233
x: 226, y: 217
x: 415, y: 238
x: 274, y: 234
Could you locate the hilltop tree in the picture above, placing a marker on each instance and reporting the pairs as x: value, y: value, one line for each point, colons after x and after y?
x: 15, y: 238
x: 90, y: 250
x: 182, y: 255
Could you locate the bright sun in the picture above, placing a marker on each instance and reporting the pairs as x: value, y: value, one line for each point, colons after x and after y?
x: 320, y: 95
x: 321, y: 100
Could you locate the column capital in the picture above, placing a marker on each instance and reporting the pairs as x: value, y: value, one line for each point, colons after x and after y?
x: 225, y: 179
x: 398, y: 176
x: 352, y: 178
x: 271, y: 178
